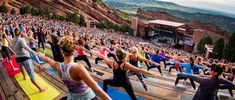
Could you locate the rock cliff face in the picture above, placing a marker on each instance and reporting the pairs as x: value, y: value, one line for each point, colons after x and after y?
x: 95, y: 11
x: 211, y: 30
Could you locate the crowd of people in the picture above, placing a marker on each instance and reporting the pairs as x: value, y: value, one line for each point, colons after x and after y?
x: 124, y: 54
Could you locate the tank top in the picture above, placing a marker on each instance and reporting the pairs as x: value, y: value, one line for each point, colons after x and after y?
x: 72, y: 85
x: 5, y: 42
x: 120, y: 75
x: 102, y: 51
x: 80, y: 50
x: 134, y: 62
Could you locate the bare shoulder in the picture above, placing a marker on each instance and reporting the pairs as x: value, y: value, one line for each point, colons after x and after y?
x: 78, y: 67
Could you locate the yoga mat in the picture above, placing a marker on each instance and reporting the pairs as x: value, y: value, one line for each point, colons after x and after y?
x: 33, y: 92
x: 9, y: 69
x: 48, y: 51
x: 118, y: 94
x: 52, y: 70
x: 34, y: 58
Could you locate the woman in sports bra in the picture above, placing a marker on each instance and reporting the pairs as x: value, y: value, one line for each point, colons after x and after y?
x: 75, y: 76
x: 134, y: 59
x: 102, y: 50
x: 120, y: 77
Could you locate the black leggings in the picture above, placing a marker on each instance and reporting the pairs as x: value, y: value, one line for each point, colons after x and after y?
x: 177, y: 69
x: 165, y: 64
x: 6, y: 52
x: 84, y: 58
x: 192, y: 82
x: 154, y: 66
x: 41, y: 42
x: 126, y: 85
x: 97, y: 59
x: 112, y: 55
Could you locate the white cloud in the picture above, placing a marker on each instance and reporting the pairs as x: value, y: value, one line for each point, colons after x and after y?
x: 220, y: 5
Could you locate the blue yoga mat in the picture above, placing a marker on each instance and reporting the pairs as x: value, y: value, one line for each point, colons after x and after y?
x: 34, y: 58
x: 118, y: 94
x: 112, y: 92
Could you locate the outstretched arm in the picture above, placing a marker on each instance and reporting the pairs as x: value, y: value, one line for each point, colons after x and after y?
x: 193, y: 77
x: 107, y: 60
x: 54, y: 64
x: 146, y: 60
x: 138, y: 70
x: 86, y: 77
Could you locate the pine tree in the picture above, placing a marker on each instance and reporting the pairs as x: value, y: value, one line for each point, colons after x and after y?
x: 13, y: 11
x: 218, y: 48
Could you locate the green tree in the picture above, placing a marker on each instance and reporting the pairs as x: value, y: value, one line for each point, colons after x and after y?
x: 203, y: 42
x: 82, y: 20
x: 72, y: 17
x: 25, y: 10
x: 229, y: 50
x: 226, y: 52
x: 126, y: 28
x: 218, y: 48
x: 34, y: 11
x: 103, y: 24
x: 3, y: 8
x: 116, y: 27
x: 13, y: 11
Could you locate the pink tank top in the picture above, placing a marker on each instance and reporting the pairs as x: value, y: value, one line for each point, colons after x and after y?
x: 80, y: 50
x: 102, y: 51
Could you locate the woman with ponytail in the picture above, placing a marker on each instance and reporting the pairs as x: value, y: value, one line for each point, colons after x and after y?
x: 120, y: 69
x: 208, y: 87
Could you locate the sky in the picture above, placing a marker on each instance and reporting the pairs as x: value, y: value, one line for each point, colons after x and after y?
x: 227, y: 6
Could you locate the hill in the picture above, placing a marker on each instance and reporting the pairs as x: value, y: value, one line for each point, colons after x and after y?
x: 187, y: 13
x: 97, y: 11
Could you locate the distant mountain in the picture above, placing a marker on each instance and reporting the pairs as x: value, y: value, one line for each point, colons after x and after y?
x: 207, y: 16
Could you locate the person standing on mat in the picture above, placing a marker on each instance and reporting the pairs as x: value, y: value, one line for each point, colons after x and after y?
x: 81, y: 51
x: 55, y: 47
x: 208, y: 87
x: 6, y: 51
x: 41, y: 39
x: 23, y: 58
x: 120, y: 69
x: 134, y: 59
x: 156, y: 58
x: 75, y: 76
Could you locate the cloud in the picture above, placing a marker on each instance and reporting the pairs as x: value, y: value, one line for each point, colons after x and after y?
x: 219, y: 5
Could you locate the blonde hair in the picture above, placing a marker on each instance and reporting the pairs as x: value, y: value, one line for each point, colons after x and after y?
x: 134, y: 49
x: 67, y: 45
x: 30, y: 33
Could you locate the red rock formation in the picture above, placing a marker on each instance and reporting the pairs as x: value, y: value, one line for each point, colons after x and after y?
x: 95, y: 11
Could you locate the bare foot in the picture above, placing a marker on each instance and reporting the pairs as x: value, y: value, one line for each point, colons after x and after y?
x: 39, y: 67
x: 24, y: 78
x: 43, y: 89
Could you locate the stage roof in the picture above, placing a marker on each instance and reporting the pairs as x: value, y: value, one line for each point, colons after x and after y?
x: 167, y: 23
